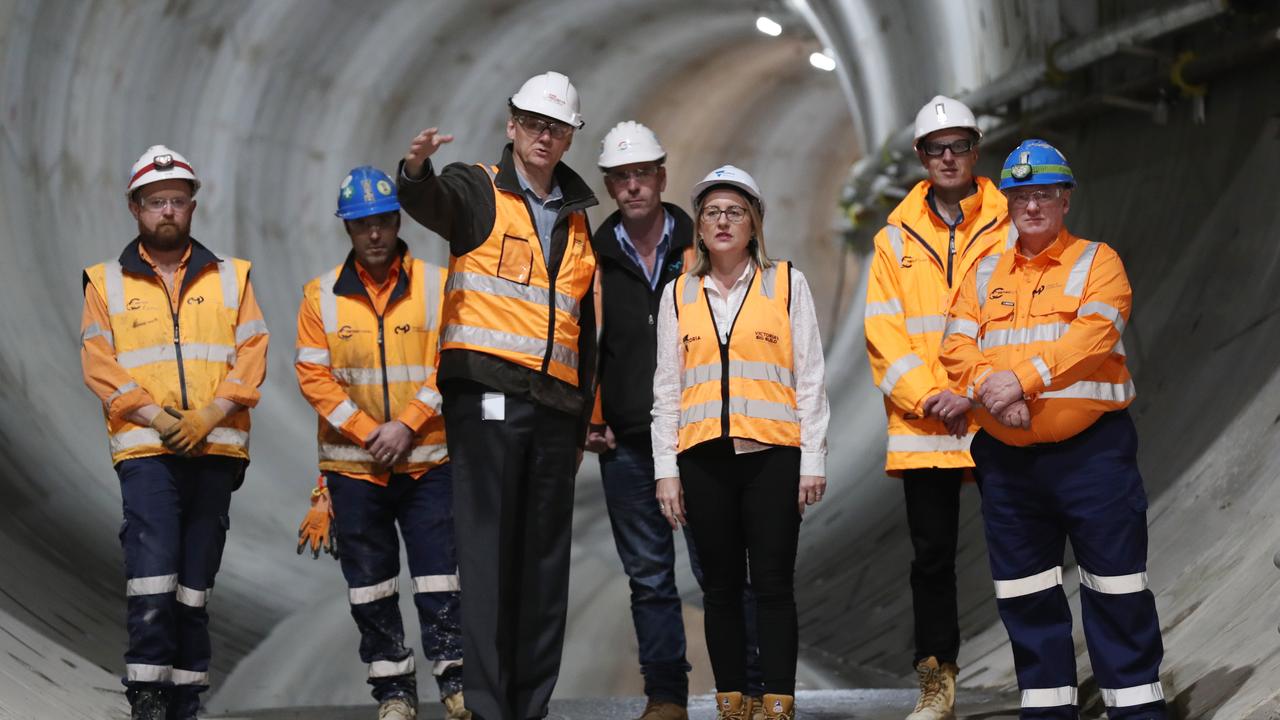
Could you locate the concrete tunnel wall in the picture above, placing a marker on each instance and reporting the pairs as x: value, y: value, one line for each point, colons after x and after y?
x: 273, y: 102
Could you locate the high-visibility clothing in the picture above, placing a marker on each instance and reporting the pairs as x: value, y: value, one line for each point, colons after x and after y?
x: 1055, y: 320
x: 745, y: 387
x: 145, y: 343
x: 501, y: 300
x: 363, y: 360
x: 918, y: 264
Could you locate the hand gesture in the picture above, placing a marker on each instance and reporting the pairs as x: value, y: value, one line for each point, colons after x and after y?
x: 423, y: 146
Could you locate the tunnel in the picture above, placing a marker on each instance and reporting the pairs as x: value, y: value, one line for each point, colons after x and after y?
x: 1169, y: 111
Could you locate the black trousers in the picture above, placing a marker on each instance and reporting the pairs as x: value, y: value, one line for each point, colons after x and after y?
x: 933, y: 516
x: 742, y: 511
x: 513, y: 471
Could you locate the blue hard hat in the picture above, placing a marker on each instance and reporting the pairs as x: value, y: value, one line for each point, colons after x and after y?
x: 1035, y: 162
x: 366, y: 191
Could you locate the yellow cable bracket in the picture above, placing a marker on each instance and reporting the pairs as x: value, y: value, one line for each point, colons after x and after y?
x: 1175, y: 75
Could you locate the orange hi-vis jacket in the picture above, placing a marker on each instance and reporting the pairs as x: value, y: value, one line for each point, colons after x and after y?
x: 1055, y: 320
x: 744, y: 388
x: 501, y: 300
x: 915, y: 272
x: 368, y: 355
x: 144, y: 343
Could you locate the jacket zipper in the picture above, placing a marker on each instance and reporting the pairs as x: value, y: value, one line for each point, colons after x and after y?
x: 177, y: 349
x: 382, y: 356
x: 724, y: 352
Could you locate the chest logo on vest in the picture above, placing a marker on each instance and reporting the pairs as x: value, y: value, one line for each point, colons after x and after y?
x: 907, y: 261
x: 401, y: 329
x: 996, y: 293
x: 346, y: 332
x: 687, y: 339
x: 136, y: 304
x: 767, y: 337
x: 140, y: 323
x: 195, y: 300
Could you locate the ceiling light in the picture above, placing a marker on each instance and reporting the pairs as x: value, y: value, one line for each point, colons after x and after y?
x: 823, y: 60
x: 768, y: 26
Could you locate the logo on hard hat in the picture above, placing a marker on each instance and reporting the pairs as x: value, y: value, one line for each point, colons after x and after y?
x: 624, y: 144
x: 347, y: 192
x: 941, y: 111
x: 384, y: 187
x: 553, y: 97
x: 162, y: 162
x: 367, y: 186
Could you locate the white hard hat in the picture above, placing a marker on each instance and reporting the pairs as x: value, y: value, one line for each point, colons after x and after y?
x: 944, y: 113
x: 629, y: 142
x: 728, y: 175
x: 161, y: 163
x: 550, y: 94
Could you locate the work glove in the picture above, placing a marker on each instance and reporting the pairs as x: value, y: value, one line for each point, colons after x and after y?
x: 315, y: 526
x: 164, y: 423
x: 193, y: 427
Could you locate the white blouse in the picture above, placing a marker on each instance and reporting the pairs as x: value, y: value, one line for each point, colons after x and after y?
x: 808, y: 364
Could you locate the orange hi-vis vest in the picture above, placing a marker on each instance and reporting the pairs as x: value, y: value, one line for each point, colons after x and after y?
x: 745, y: 387
x: 382, y: 362
x: 1056, y: 321
x: 178, y: 355
x: 916, y: 271
x: 501, y: 299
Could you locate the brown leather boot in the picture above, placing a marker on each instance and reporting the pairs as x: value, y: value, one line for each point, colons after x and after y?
x: 779, y: 707
x: 937, y: 691
x: 757, y: 708
x: 661, y: 710
x: 732, y: 706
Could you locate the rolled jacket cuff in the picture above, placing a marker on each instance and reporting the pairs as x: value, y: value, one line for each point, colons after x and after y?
x: 1029, y: 377
x: 813, y: 463
x: 413, y: 417
x: 127, y: 403
x: 238, y: 393
x: 665, y: 466
x: 359, y: 427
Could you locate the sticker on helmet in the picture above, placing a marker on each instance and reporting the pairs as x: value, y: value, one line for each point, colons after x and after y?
x: 941, y: 111
x: 384, y: 187
x: 367, y: 186
x: 346, y: 181
x: 347, y: 191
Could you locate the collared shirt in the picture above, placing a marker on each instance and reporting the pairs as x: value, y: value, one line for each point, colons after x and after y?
x: 933, y: 205
x: 628, y: 247
x: 544, y: 210
x: 380, y: 294
x: 810, y: 372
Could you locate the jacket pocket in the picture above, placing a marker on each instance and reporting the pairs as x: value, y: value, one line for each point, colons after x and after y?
x: 516, y: 262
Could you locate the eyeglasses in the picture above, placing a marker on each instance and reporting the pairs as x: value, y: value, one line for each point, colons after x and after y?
x: 370, y: 223
x: 735, y: 213
x: 158, y: 204
x: 1042, y: 196
x: 936, y: 149
x: 535, y: 126
x: 640, y: 174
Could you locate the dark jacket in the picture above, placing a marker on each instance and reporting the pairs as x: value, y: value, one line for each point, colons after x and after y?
x: 628, y: 343
x: 458, y: 204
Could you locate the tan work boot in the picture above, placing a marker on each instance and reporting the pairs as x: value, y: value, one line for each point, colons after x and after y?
x: 937, y: 691
x: 397, y: 708
x: 732, y: 706
x: 757, y: 707
x: 660, y: 710
x: 779, y: 707
x: 454, y: 708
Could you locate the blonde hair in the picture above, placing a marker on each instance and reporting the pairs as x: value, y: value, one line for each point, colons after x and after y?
x: 755, y: 248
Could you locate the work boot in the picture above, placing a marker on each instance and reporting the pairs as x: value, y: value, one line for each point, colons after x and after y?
x: 757, y: 707
x: 732, y: 706
x: 662, y: 710
x: 937, y: 691
x: 454, y: 708
x: 148, y: 703
x: 779, y: 707
x: 397, y: 708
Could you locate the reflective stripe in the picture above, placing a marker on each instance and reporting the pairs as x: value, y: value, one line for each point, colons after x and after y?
x: 767, y: 281
x: 1006, y: 589
x: 1114, y: 584
x: 431, y: 286
x: 1049, y: 697
x: 230, y: 283
x: 341, y: 414
x: 926, y: 324
x: 96, y: 330
x: 192, y: 598
x: 500, y: 340
x: 1089, y: 390
x: 490, y: 285
x: 228, y: 436
x: 352, y: 453
x: 370, y: 593
x: 114, y: 290
x: 1045, y: 332
x: 888, y: 307
x: 1109, y: 312
x: 1043, y: 369
x: 373, y: 376
x: 1074, y: 287
x: 125, y: 388
x: 329, y: 303
x: 166, y: 353
x: 315, y: 356
x: 137, y: 672
x: 440, y: 666
x: 146, y: 437
x: 189, y: 677
x: 391, y: 668
x: 900, y: 367
x: 153, y: 585
x: 895, y: 241
x: 759, y: 409
x: 692, y: 285
x: 743, y: 369
x: 967, y: 328
x: 429, y: 397
x: 1130, y: 696
x: 929, y: 443
x: 1011, y: 239
x: 435, y: 583
x: 250, y: 329
x: 986, y: 268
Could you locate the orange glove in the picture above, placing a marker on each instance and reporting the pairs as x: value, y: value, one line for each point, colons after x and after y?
x: 315, y: 526
x: 187, y: 436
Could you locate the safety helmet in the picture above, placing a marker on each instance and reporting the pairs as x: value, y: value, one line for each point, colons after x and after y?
x: 944, y: 113
x: 731, y: 176
x: 629, y: 142
x: 549, y: 94
x: 1035, y: 162
x: 366, y: 191
x: 160, y: 163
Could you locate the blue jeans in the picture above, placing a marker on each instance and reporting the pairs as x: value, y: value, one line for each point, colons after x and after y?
x: 646, y: 547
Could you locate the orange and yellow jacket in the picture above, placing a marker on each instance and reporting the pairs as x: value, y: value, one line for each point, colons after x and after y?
x: 1055, y: 320
x: 181, y: 344
x: 915, y: 271
x: 367, y: 354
